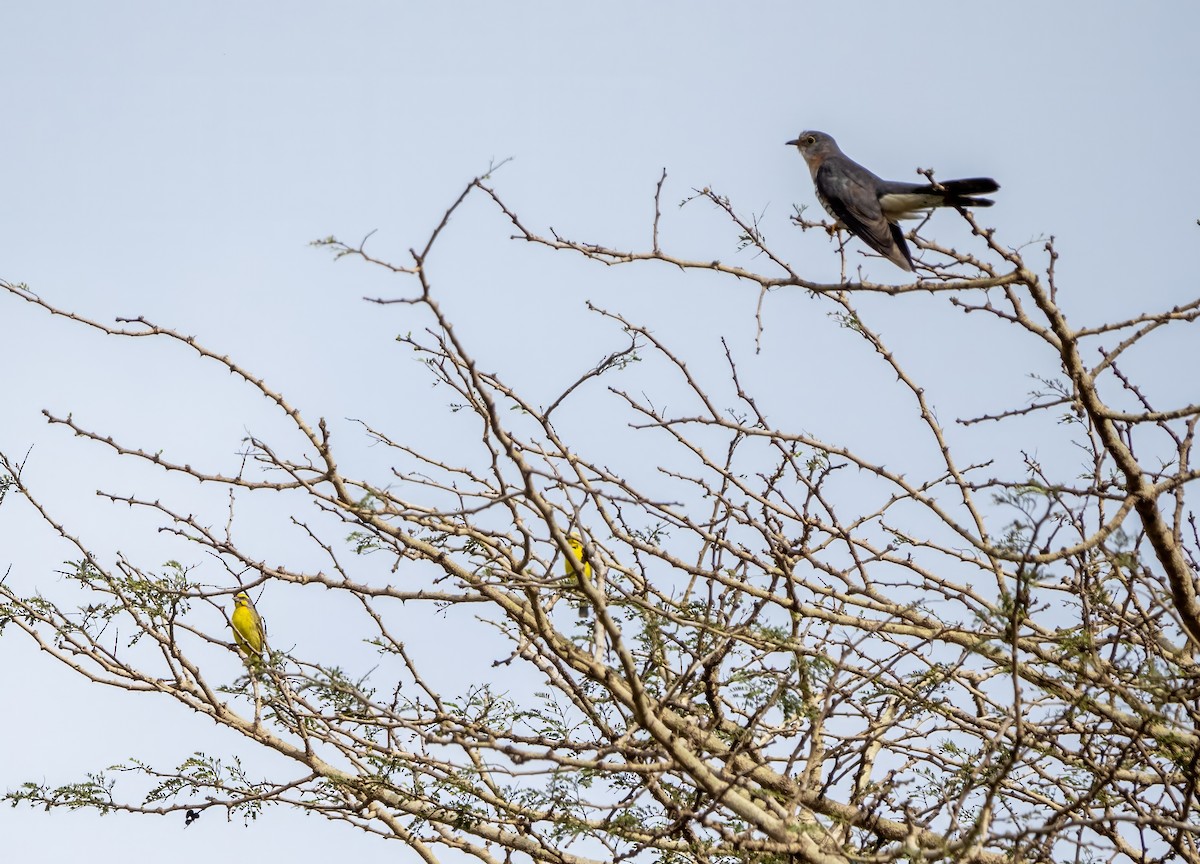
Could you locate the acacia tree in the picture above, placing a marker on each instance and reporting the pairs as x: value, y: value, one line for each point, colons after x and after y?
x: 791, y: 650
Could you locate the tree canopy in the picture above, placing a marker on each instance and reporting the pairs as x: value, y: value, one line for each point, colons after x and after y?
x: 796, y: 647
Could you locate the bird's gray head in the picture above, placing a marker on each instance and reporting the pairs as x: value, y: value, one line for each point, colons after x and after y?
x: 814, y: 146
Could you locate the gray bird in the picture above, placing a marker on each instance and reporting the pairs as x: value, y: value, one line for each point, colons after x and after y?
x: 869, y: 206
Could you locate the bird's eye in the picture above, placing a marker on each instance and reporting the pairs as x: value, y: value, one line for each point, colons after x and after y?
x: 810, y: 140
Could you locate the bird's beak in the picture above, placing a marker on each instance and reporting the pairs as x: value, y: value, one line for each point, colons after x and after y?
x: 795, y: 142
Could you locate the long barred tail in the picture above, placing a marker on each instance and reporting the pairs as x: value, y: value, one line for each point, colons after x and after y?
x: 971, y: 186
x: 957, y: 192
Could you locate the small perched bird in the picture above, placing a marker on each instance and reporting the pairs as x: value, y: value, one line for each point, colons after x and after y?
x: 868, y: 206
x: 248, y: 630
x: 572, y: 565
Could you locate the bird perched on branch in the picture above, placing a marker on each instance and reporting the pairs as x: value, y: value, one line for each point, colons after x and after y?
x: 869, y: 207
x: 248, y: 630
x: 574, y: 565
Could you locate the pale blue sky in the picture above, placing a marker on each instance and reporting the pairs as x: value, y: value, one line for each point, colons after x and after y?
x: 173, y: 160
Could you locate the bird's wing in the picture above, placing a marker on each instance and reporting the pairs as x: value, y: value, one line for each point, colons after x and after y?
x: 850, y: 193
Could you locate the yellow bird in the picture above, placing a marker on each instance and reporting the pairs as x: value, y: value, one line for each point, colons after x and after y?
x: 572, y: 564
x: 248, y: 630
